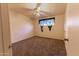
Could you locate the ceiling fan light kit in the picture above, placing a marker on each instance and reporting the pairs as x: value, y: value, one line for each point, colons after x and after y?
x: 37, y: 11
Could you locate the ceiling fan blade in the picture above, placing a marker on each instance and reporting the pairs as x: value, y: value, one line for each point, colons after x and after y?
x: 46, y: 13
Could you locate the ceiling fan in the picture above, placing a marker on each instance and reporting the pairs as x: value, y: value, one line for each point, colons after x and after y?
x: 36, y: 11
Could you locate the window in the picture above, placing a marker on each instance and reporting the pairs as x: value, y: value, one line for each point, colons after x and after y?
x: 47, y: 22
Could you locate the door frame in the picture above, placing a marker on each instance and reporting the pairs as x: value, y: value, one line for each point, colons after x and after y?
x: 5, y: 24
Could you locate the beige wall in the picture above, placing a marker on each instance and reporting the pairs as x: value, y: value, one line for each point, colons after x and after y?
x: 21, y: 26
x: 72, y: 29
x: 57, y: 31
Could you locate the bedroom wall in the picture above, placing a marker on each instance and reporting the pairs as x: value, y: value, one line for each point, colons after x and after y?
x: 21, y: 26
x: 72, y: 29
x: 57, y: 31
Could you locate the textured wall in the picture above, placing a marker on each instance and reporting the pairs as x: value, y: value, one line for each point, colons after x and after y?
x: 21, y: 26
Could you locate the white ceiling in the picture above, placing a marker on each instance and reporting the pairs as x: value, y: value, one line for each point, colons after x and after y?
x: 47, y: 8
x: 54, y: 8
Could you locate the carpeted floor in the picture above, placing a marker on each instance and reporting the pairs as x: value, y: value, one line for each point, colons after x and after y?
x: 39, y: 46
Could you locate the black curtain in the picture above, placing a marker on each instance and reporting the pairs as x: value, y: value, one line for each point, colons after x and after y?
x: 49, y: 28
x: 42, y: 28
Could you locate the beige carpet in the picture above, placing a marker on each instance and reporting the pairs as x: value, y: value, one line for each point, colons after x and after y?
x: 39, y: 46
